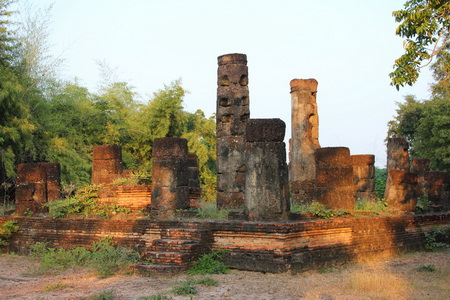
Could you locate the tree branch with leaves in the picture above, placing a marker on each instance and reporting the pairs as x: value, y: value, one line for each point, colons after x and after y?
x: 426, y: 26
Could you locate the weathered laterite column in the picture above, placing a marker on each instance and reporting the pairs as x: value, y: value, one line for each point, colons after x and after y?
x: 170, y: 190
x: 334, y: 178
x: 397, y: 154
x: 305, y: 129
x: 401, y: 190
x: 364, y: 176
x: 106, y: 164
x: 266, y: 180
x: 438, y: 190
x: 37, y: 184
x: 193, y: 180
x: 233, y: 112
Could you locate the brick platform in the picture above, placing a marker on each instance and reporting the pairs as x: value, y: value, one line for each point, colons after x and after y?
x: 256, y: 246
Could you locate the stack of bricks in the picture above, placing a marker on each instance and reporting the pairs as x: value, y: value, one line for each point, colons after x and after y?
x: 334, y: 178
x: 304, y: 141
x: 233, y: 112
x: 266, y: 185
x: 106, y: 164
x: 195, y: 190
x: 170, y: 190
x: 36, y: 184
x: 364, y: 176
x: 402, y: 187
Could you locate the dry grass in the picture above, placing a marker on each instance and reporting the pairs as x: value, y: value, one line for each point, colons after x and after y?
x: 396, y: 278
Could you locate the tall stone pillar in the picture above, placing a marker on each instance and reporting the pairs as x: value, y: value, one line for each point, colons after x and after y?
x: 397, y: 154
x: 170, y: 190
x: 334, y: 178
x: 233, y: 112
x: 364, y: 176
x: 305, y: 129
x: 266, y: 184
x: 106, y: 164
x: 36, y: 184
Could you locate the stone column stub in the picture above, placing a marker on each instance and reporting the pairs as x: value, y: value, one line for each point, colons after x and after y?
x: 266, y: 184
x: 305, y: 129
x: 233, y: 113
x: 397, y: 154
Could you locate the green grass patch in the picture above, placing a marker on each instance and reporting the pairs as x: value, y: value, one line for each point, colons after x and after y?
x: 318, y: 210
x: 209, y: 264
x: 104, y: 258
x: 209, y: 211
x: 106, y: 295
x: 426, y: 268
x: 154, y: 297
x: 55, y: 287
x: 186, y: 287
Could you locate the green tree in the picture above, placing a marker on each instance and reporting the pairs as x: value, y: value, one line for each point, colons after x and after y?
x: 426, y: 126
x: 426, y: 26
x: 201, y: 136
x: 16, y: 126
x: 162, y: 116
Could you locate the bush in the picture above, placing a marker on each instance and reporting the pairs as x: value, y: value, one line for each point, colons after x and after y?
x: 209, y: 211
x: 7, y: 229
x: 85, y: 202
x: 209, y: 264
x: 104, y: 258
x: 108, y: 260
x: 318, y: 210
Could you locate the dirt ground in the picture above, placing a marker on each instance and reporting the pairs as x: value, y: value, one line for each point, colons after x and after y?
x: 395, y: 278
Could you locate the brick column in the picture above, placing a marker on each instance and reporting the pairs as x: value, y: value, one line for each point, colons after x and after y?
x: 266, y: 184
x: 438, y: 188
x: 334, y: 178
x: 364, y: 176
x: 233, y: 112
x: 195, y: 190
x: 401, y: 190
x: 397, y: 154
x: 36, y: 184
x: 421, y: 166
x: 170, y: 190
x: 106, y: 164
x: 305, y: 129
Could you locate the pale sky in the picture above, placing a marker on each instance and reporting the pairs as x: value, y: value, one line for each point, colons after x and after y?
x: 348, y: 46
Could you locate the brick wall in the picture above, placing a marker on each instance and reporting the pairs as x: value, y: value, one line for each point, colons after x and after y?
x: 134, y: 197
x: 257, y: 246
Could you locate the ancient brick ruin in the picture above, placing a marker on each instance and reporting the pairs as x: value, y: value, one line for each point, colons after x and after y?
x: 233, y: 113
x: 36, y: 184
x: 364, y: 176
x: 266, y: 181
x: 107, y: 164
x: 170, y: 177
x: 253, y: 179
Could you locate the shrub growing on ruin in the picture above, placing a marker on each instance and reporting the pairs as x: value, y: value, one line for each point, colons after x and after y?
x: 84, y: 202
